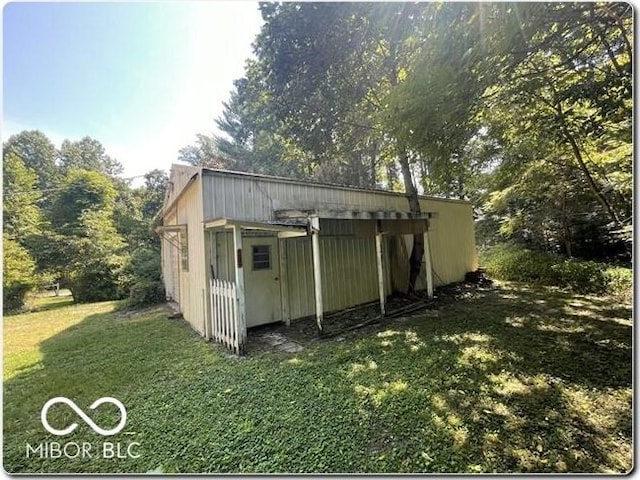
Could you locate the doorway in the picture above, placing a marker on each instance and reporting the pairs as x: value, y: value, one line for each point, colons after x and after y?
x: 262, y: 280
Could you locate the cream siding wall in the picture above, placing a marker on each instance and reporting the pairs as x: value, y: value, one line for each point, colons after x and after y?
x: 349, y: 273
x: 193, y: 288
x: 452, y: 241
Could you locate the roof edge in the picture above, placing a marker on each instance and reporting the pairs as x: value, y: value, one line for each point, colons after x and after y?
x: 274, y: 178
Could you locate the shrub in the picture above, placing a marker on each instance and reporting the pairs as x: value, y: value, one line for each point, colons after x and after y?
x: 581, y: 276
x: 96, y: 281
x: 147, y: 287
x: 19, y: 276
x: 508, y: 262
x: 620, y: 282
x: 513, y: 263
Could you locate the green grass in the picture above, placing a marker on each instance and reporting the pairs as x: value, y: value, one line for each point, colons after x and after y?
x: 514, y: 379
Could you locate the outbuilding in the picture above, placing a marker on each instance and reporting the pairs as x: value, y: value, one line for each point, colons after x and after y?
x: 241, y: 250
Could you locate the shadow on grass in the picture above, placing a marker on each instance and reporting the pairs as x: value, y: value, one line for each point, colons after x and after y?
x: 513, y: 379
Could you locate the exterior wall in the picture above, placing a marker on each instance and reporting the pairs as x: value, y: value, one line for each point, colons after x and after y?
x: 349, y: 273
x: 451, y: 238
x: 193, y: 289
x: 178, y: 179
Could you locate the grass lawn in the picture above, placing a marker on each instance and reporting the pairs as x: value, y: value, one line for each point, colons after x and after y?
x: 512, y: 379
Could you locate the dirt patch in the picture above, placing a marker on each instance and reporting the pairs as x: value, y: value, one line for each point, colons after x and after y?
x: 361, y: 319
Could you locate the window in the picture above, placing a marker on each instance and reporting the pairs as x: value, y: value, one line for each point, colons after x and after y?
x: 184, y: 251
x: 261, y: 257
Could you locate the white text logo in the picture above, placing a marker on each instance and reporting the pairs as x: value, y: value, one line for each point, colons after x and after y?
x: 84, y: 416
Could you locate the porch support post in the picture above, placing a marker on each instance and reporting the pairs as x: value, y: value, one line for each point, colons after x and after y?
x: 427, y: 259
x: 206, y: 293
x: 317, y: 278
x: 239, y: 263
x: 284, y: 287
x: 380, y: 270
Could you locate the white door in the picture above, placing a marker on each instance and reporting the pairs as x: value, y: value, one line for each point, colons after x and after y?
x: 261, y: 264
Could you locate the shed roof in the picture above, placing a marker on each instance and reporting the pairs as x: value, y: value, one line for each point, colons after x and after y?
x: 274, y: 178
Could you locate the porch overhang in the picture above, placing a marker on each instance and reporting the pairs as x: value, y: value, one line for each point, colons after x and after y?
x: 283, y: 229
x: 162, y: 229
x: 346, y: 214
x: 369, y: 222
x: 171, y: 228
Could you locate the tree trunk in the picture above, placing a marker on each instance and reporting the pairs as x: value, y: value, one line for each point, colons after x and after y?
x: 585, y: 170
x: 566, y: 224
x: 417, y: 253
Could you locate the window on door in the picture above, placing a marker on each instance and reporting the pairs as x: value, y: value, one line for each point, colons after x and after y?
x: 261, y: 257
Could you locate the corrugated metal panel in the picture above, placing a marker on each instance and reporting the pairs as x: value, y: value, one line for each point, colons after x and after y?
x: 349, y: 273
x: 255, y: 199
x: 299, y: 277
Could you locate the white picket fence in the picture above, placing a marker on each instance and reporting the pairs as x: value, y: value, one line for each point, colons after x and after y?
x: 226, y: 326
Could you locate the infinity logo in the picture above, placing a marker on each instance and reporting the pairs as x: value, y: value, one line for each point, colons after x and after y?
x: 87, y: 420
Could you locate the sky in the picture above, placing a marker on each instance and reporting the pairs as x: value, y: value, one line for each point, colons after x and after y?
x: 142, y: 78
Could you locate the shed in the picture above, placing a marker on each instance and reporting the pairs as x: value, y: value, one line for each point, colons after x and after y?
x: 241, y: 250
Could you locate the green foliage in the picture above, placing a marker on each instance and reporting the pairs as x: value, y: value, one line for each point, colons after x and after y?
x: 87, y: 154
x: 96, y: 259
x: 147, y: 287
x: 620, y: 283
x: 517, y: 379
x: 19, y: 274
x: 38, y: 154
x: 20, y: 212
x: 81, y: 191
x: 514, y: 263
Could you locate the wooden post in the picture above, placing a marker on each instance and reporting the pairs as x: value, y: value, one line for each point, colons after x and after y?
x: 284, y: 288
x: 427, y: 259
x: 317, y: 278
x: 380, y: 271
x: 206, y: 292
x: 239, y: 263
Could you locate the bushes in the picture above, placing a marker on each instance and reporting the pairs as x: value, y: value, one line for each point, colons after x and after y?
x: 19, y: 275
x: 147, y: 287
x: 509, y: 262
x: 620, y: 281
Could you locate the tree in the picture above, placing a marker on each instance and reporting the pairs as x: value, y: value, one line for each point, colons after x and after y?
x: 96, y: 259
x: 87, y: 154
x: 21, y: 215
x: 203, y: 152
x: 37, y: 153
x: 91, y: 254
x: 81, y: 191
x: 567, y: 83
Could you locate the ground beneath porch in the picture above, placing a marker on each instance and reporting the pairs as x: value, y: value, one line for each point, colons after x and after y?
x: 355, y: 321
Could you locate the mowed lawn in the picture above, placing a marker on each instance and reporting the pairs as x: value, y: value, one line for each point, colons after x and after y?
x: 511, y: 379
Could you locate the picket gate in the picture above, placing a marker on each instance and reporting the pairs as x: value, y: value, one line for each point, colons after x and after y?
x: 226, y: 326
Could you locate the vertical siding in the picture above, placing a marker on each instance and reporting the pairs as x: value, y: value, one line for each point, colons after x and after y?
x: 193, y: 289
x: 349, y: 273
